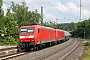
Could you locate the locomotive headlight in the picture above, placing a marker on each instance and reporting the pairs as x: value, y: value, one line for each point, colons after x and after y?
x: 22, y: 36
x: 32, y: 36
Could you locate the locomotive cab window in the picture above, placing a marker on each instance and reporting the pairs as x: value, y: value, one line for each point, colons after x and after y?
x: 23, y: 30
x: 30, y: 30
x: 27, y: 30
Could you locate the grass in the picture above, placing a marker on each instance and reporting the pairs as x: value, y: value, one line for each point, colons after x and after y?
x: 87, y: 57
x: 86, y: 51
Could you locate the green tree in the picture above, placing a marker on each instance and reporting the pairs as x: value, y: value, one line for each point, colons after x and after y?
x: 1, y: 19
x: 79, y: 31
x: 10, y: 29
x: 82, y: 27
x: 71, y: 26
x: 19, y: 11
x: 23, y: 16
x: 1, y: 15
x: 87, y: 28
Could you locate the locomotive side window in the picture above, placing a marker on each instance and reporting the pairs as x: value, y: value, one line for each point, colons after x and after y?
x: 23, y: 30
x: 30, y: 30
x: 38, y: 30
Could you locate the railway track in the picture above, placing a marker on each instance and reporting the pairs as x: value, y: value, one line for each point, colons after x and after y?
x: 7, y: 51
x: 66, y: 54
x: 41, y: 55
x: 47, y: 56
x: 7, y: 57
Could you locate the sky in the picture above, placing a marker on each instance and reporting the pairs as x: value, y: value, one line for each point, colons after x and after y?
x: 65, y: 11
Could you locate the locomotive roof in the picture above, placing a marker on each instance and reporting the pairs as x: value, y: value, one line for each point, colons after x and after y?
x: 46, y: 27
x: 39, y: 26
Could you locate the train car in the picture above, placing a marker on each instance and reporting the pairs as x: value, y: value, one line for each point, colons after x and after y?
x: 60, y: 35
x: 57, y: 34
x: 67, y: 35
x: 35, y: 36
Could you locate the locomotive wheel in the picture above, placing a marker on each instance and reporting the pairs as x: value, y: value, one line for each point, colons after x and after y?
x: 34, y: 47
x: 55, y: 43
x: 37, y: 48
x: 19, y: 49
x: 40, y: 47
x: 50, y: 44
x: 61, y: 41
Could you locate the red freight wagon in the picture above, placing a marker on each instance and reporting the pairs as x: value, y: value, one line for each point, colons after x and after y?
x: 32, y: 35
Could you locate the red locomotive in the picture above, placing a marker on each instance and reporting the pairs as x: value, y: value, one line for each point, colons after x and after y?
x: 36, y: 37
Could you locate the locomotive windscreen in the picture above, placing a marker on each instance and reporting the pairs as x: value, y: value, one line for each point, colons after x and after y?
x: 27, y: 30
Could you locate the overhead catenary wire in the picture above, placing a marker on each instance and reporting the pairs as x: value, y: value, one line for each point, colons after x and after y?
x: 47, y: 10
x: 56, y: 9
x: 44, y: 8
x: 68, y: 11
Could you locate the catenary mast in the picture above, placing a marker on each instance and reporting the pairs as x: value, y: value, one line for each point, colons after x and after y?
x: 81, y: 5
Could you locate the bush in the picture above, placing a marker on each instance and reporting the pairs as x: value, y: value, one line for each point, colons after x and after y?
x: 87, y: 44
x: 9, y: 40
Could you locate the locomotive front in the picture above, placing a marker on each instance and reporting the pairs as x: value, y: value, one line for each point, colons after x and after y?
x: 26, y: 37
